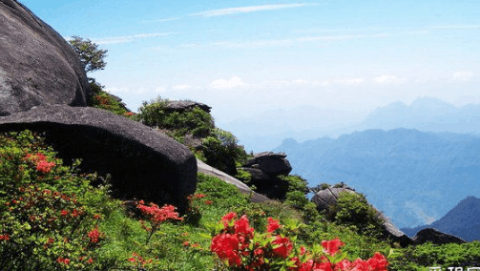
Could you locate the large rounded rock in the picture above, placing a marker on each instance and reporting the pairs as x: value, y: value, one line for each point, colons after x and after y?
x: 143, y: 163
x: 181, y: 106
x: 37, y: 66
x: 273, y: 164
x: 328, y: 196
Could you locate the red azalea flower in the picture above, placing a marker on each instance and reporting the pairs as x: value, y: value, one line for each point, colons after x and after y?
x: 94, y: 236
x: 273, y: 225
x: 226, y: 246
x: 199, y: 196
x: 331, y: 247
x: 44, y: 166
x: 360, y: 265
x: 64, y: 212
x: 159, y: 215
x: 343, y: 265
x: 285, y: 247
x: 378, y: 262
x: 228, y: 217
x: 242, y: 226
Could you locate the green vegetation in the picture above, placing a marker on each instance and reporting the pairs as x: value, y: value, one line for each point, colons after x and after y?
x: 52, y: 218
x: 353, y: 210
x: 103, y: 100
x: 90, y: 56
x: 214, y: 146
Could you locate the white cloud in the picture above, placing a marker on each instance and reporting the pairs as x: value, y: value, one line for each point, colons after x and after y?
x: 230, y: 11
x: 284, y: 42
x: 387, y: 80
x: 129, y: 38
x: 182, y: 87
x: 233, y: 82
x: 462, y: 75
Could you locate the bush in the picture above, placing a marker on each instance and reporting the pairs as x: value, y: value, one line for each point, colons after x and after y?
x: 102, y: 100
x: 421, y: 257
x: 49, y: 214
x: 221, y: 151
x: 196, y: 121
x: 353, y: 210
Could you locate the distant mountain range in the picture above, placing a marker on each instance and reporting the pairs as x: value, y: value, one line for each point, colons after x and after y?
x: 414, y: 177
x: 424, y: 114
x: 268, y: 130
x: 462, y: 221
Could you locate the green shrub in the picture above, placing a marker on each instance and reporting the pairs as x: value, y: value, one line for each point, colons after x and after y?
x: 195, y: 121
x: 352, y: 210
x: 420, y: 257
x: 102, y: 100
x: 49, y: 214
x: 244, y: 176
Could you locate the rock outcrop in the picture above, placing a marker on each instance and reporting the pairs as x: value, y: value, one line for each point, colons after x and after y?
x: 265, y: 169
x: 37, y: 66
x: 181, y: 106
x: 206, y: 169
x: 273, y: 164
x: 328, y: 196
x: 143, y: 163
x: 436, y: 237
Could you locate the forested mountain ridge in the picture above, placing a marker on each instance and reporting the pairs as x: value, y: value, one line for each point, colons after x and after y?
x: 414, y: 177
x: 461, y: 221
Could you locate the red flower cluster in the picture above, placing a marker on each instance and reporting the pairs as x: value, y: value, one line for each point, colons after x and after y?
x: 94, y: 236
x: 139, y: 261
x: 4, y: 237
x: 331, y: 247
x: 234, y: 240
x: 158, y: 215
x: 65, y: 261
x: 41, y: 162
x: 235, y: 245
x: 273, y: 225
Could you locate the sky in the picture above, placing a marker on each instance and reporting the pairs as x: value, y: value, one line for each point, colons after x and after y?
x: 250, y: 58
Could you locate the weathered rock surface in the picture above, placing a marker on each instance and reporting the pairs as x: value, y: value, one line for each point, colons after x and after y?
x: 257, y: 175
x: 273, y: 164
x: 206, y: 169
x: 143, y: 163
x: 436, y: 237
x: 37, y: 66
x: 326, y: 197
x: 186, y: 105
x: 329, y: 196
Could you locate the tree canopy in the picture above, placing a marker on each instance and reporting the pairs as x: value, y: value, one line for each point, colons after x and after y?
x: 90, y: 56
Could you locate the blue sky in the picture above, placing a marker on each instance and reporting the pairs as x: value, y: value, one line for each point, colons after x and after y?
x: 248, y: 57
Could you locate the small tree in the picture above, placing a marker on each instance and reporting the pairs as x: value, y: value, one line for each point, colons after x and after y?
x: 90, y: 56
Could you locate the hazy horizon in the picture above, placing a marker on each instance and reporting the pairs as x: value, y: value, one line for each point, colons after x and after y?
x: 341, y: 57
